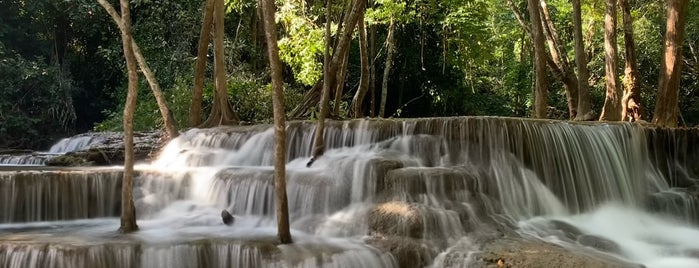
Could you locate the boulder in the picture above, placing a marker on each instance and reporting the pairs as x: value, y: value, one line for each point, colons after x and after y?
x: 396, y: 219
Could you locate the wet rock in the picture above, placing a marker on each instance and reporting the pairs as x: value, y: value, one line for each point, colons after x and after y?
x: 443, y: 183
x: 407, y: 252
x: 599, y: 243
x: 110, y: 150
x: 227, y: 218
x: 428, y: 149
x: 523, y: 253
x: 396, y: 219
x: 69, y: 161
x: 569, y: 231
x: 679, y: 202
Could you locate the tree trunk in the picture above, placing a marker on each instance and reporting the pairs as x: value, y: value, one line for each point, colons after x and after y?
x: 268, y: 9
x: 332, y: 64
x: 558, y: 55
x: 318, y: 141
x: 584, y: 112
x: 309, y: 100
x: 631, y: 102
x: 364, y: 79
x: 540, y: 92
x: 612, y: 103
x: 168, y: 120
x: 556, y: 59
x: 667, y: 106
x: 200, y: 66
x: 221, y: 113
x: 390, y: 51
x: 340, y: 85
x: 372, y: 70
x: 128, y: 211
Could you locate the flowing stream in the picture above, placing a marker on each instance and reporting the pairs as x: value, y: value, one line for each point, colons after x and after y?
x: 386, y: 193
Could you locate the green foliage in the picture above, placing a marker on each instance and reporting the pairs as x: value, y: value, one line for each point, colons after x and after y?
x: 387, y: 10
x: 34, y: 101
x: 302, y: 44
x: 63, y: 68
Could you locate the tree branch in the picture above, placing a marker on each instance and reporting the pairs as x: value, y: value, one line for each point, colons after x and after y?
x: 169, y: 122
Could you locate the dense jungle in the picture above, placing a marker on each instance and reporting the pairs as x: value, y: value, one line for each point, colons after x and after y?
x: 63, y: 70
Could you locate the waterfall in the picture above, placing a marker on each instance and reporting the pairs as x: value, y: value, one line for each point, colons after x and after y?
x: 386, y: 193
x: 66, y: 145
x: 75, y: 143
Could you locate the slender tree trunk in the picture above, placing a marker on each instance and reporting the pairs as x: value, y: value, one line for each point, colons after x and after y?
x: 268, y: 9
x: 318, y: 141
x: 364, y: 79
x: 200, y: 66
x: 612, y: 103
x: 168, y: 120
x: 342, y: 44
x: 558, y: 55
x: 372, y: 70
x: 631, y: 102
x: 667, y: 106
x: 340, y: 85
x: 332, y: 64
x: 128, y: 211
x: 541, y: 91
x: 390, y: 51
x: 221, y: 113
x: 585, y: 113
x: 556, y: 58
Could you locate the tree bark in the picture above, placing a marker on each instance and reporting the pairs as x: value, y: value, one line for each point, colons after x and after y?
x: 332, y: 64
x: 309, y: 100
x: 541, y: 91
x: 128, y: 211
x: 318, y: 141
x: 612, y: 103
x: 364, y: 79
x: 390, y: 51
x: 268, y: 9
x: 221, y: 113
x: 168, y: 120
x: 667, y: 106
x: 200, y: 65
x: 372, y: 70
x: 584, y: 112
x: 631, y: 102
x: 556, y: 58
x: 560, y: 58
x: 340, y: 85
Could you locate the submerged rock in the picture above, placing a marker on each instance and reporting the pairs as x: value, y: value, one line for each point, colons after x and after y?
x: 599, y: 243
x: 227, y: 218
x: 408, y: 252
x: 569, y: 231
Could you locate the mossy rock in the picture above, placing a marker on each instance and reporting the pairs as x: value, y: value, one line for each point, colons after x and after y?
x: 69, y: 161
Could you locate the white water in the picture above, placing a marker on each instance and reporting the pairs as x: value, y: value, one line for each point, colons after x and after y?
x: 443, y: 184
x: 63, y: 146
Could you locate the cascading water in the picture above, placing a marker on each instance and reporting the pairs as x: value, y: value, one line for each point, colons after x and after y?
x: 386, y: 193
x: 76, y: 143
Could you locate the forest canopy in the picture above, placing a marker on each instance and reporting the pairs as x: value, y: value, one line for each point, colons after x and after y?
x: 63, y: 70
